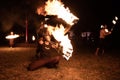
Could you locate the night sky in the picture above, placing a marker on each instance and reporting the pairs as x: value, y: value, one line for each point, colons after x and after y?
x: 92, y: 13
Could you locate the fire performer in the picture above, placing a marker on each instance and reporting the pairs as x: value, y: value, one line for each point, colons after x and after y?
x: 61, y: 43
x: 47, y: 53
x: 47, y: 57
x: 11, y: 38
x: 40, y: 40
x: 103, y: 33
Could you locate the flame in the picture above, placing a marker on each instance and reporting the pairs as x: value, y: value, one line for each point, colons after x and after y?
x: 57, y: 8
x: 58, y: 33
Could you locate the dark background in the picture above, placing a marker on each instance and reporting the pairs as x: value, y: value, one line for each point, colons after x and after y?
x: 92, y: 13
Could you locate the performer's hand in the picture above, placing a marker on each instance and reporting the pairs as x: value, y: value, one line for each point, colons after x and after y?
x: 47, y: 43
x: 41, y: 42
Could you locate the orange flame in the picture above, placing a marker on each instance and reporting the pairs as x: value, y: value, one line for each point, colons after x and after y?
x: 58, y: 34
x: 56, y: 7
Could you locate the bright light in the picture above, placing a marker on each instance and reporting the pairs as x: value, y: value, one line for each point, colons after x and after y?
x: 101, y: 26
x: 114, y: 22
x: 45, y: 25
x: 58, y: 34
x: 33, y: 38
x: 12, y: 36
x: 55, y: 7
x: 106, y: 30
x: 116, y: 18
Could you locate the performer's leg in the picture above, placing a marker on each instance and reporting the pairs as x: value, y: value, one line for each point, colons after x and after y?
x: 49, y: 62
x: 96, y: 52
x: 103, y: 51
x: 53, y: 63
x: 103, y: 46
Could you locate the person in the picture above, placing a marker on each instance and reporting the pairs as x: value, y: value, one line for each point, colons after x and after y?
x: 11, y: 41
x: 103, y: 33
x: 39, y: 49
x: 47, y: 53
x: 43, y: 41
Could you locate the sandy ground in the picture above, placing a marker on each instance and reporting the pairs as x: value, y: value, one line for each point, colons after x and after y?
x: 83, y: 65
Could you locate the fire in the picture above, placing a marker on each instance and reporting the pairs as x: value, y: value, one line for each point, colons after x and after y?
x: 12, y: 36
x: 65, y: 42
x: 57, y: 8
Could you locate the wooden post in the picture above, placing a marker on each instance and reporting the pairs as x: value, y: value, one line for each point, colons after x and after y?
x: 26, y: 37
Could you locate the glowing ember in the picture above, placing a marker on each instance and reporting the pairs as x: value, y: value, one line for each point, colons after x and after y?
x: 55, y: 7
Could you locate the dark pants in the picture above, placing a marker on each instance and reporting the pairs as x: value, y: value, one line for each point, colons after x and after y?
x: 48, y: 62
x: 101, y: 44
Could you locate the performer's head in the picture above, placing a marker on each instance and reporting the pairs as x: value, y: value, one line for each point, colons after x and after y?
x: 104, y: 26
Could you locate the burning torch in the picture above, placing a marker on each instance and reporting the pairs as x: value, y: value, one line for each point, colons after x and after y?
x: 114, y: 21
